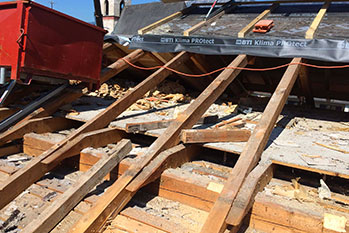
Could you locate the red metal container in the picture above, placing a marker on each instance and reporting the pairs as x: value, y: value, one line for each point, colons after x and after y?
x: 37, y: 40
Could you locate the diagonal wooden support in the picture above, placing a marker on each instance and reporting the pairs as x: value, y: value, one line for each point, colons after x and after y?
x: 259, y: 177
x: 116, y: 197
x: 70, y: 96
x: 250, y: 26
x: 38, y: 125
x: 69, y: 199
x: 42, y: 164
x: 119, y: 196
x: 316, y: 22
x: 23, y: 178
x: 252, y: 151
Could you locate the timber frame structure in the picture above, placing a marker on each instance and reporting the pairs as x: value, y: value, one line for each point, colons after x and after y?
x: 232, y: 205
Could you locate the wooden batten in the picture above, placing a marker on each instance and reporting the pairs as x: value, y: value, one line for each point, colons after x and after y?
x: 316, y: 22
x: 162, y: 21
x: 249, y: 27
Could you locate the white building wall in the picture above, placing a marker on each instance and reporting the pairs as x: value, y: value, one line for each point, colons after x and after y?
x: 111, y: 11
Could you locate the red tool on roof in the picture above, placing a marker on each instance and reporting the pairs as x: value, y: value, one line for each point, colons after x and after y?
x: 263, y: 26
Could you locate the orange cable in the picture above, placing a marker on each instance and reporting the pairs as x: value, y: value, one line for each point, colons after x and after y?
x: 234, y: 68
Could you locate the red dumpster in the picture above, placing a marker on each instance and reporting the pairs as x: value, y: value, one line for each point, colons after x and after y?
x: 36, y: 40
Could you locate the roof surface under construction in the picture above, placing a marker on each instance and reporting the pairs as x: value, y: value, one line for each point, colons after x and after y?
x: 313, y: 30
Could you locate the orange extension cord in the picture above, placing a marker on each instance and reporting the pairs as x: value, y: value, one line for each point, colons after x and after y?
x: 234, y: 68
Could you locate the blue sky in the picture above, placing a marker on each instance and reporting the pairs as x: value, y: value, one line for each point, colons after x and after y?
x: 81, y: 9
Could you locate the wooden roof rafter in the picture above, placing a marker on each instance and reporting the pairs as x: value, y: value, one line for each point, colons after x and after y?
x: 126, y: 186
x: 216, y: 221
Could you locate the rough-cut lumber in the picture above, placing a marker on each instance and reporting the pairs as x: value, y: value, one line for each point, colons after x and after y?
x: 214, y: 135
x: 44, y: 111
x: 162, y: 21
x: 316, y: 22
x: 61, y: 207
x: 196, y: 27
x: 285, y: 215
x: 249, y: 27
x: 95, y: 138
x: 38, y: 125
x: 118, y: 196
x: 154, y: 221
x: 306, y: 86
x: 174, y: 157
x: 35, y: 144
x: 9, y: 150
x: 48, y: 160
x: 158, y: 23
x: 259, y: 177
x: 115, y: 109
x: 74, y: 94
x: 252, y: 151
x: 311, y: 169
x: 145, y: 126
x: 122, y: 224
x: 172, y: 185
x: 35, y: 169
x: 120, y: 65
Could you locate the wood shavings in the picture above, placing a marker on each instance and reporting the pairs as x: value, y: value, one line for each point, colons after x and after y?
x: 332, y: 148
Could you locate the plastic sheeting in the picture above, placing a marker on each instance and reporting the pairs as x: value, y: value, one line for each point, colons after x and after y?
x: 317, y: 49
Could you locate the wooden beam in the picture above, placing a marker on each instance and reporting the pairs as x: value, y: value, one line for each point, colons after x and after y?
x: 316, y: 22
x: 10, y: 150
x: 252, y: 151
x: 120, y: 65
x: 116, y: 197
x: 115, y: 109
x: 250, y: 26
x: 255, y: 182
x: 145, y: 126
x: 305, y: 86
x: 162, y: 21
x: 69, y: 199
x: 119, y: 196
x: 214, y: 135
x: 42, y: 164
x: 35, y: 169
x: 70, y: 96
x: 38, y: 125
x: 196, y: 27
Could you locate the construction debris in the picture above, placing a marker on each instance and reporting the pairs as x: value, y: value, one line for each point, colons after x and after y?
x: 191, y: 132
